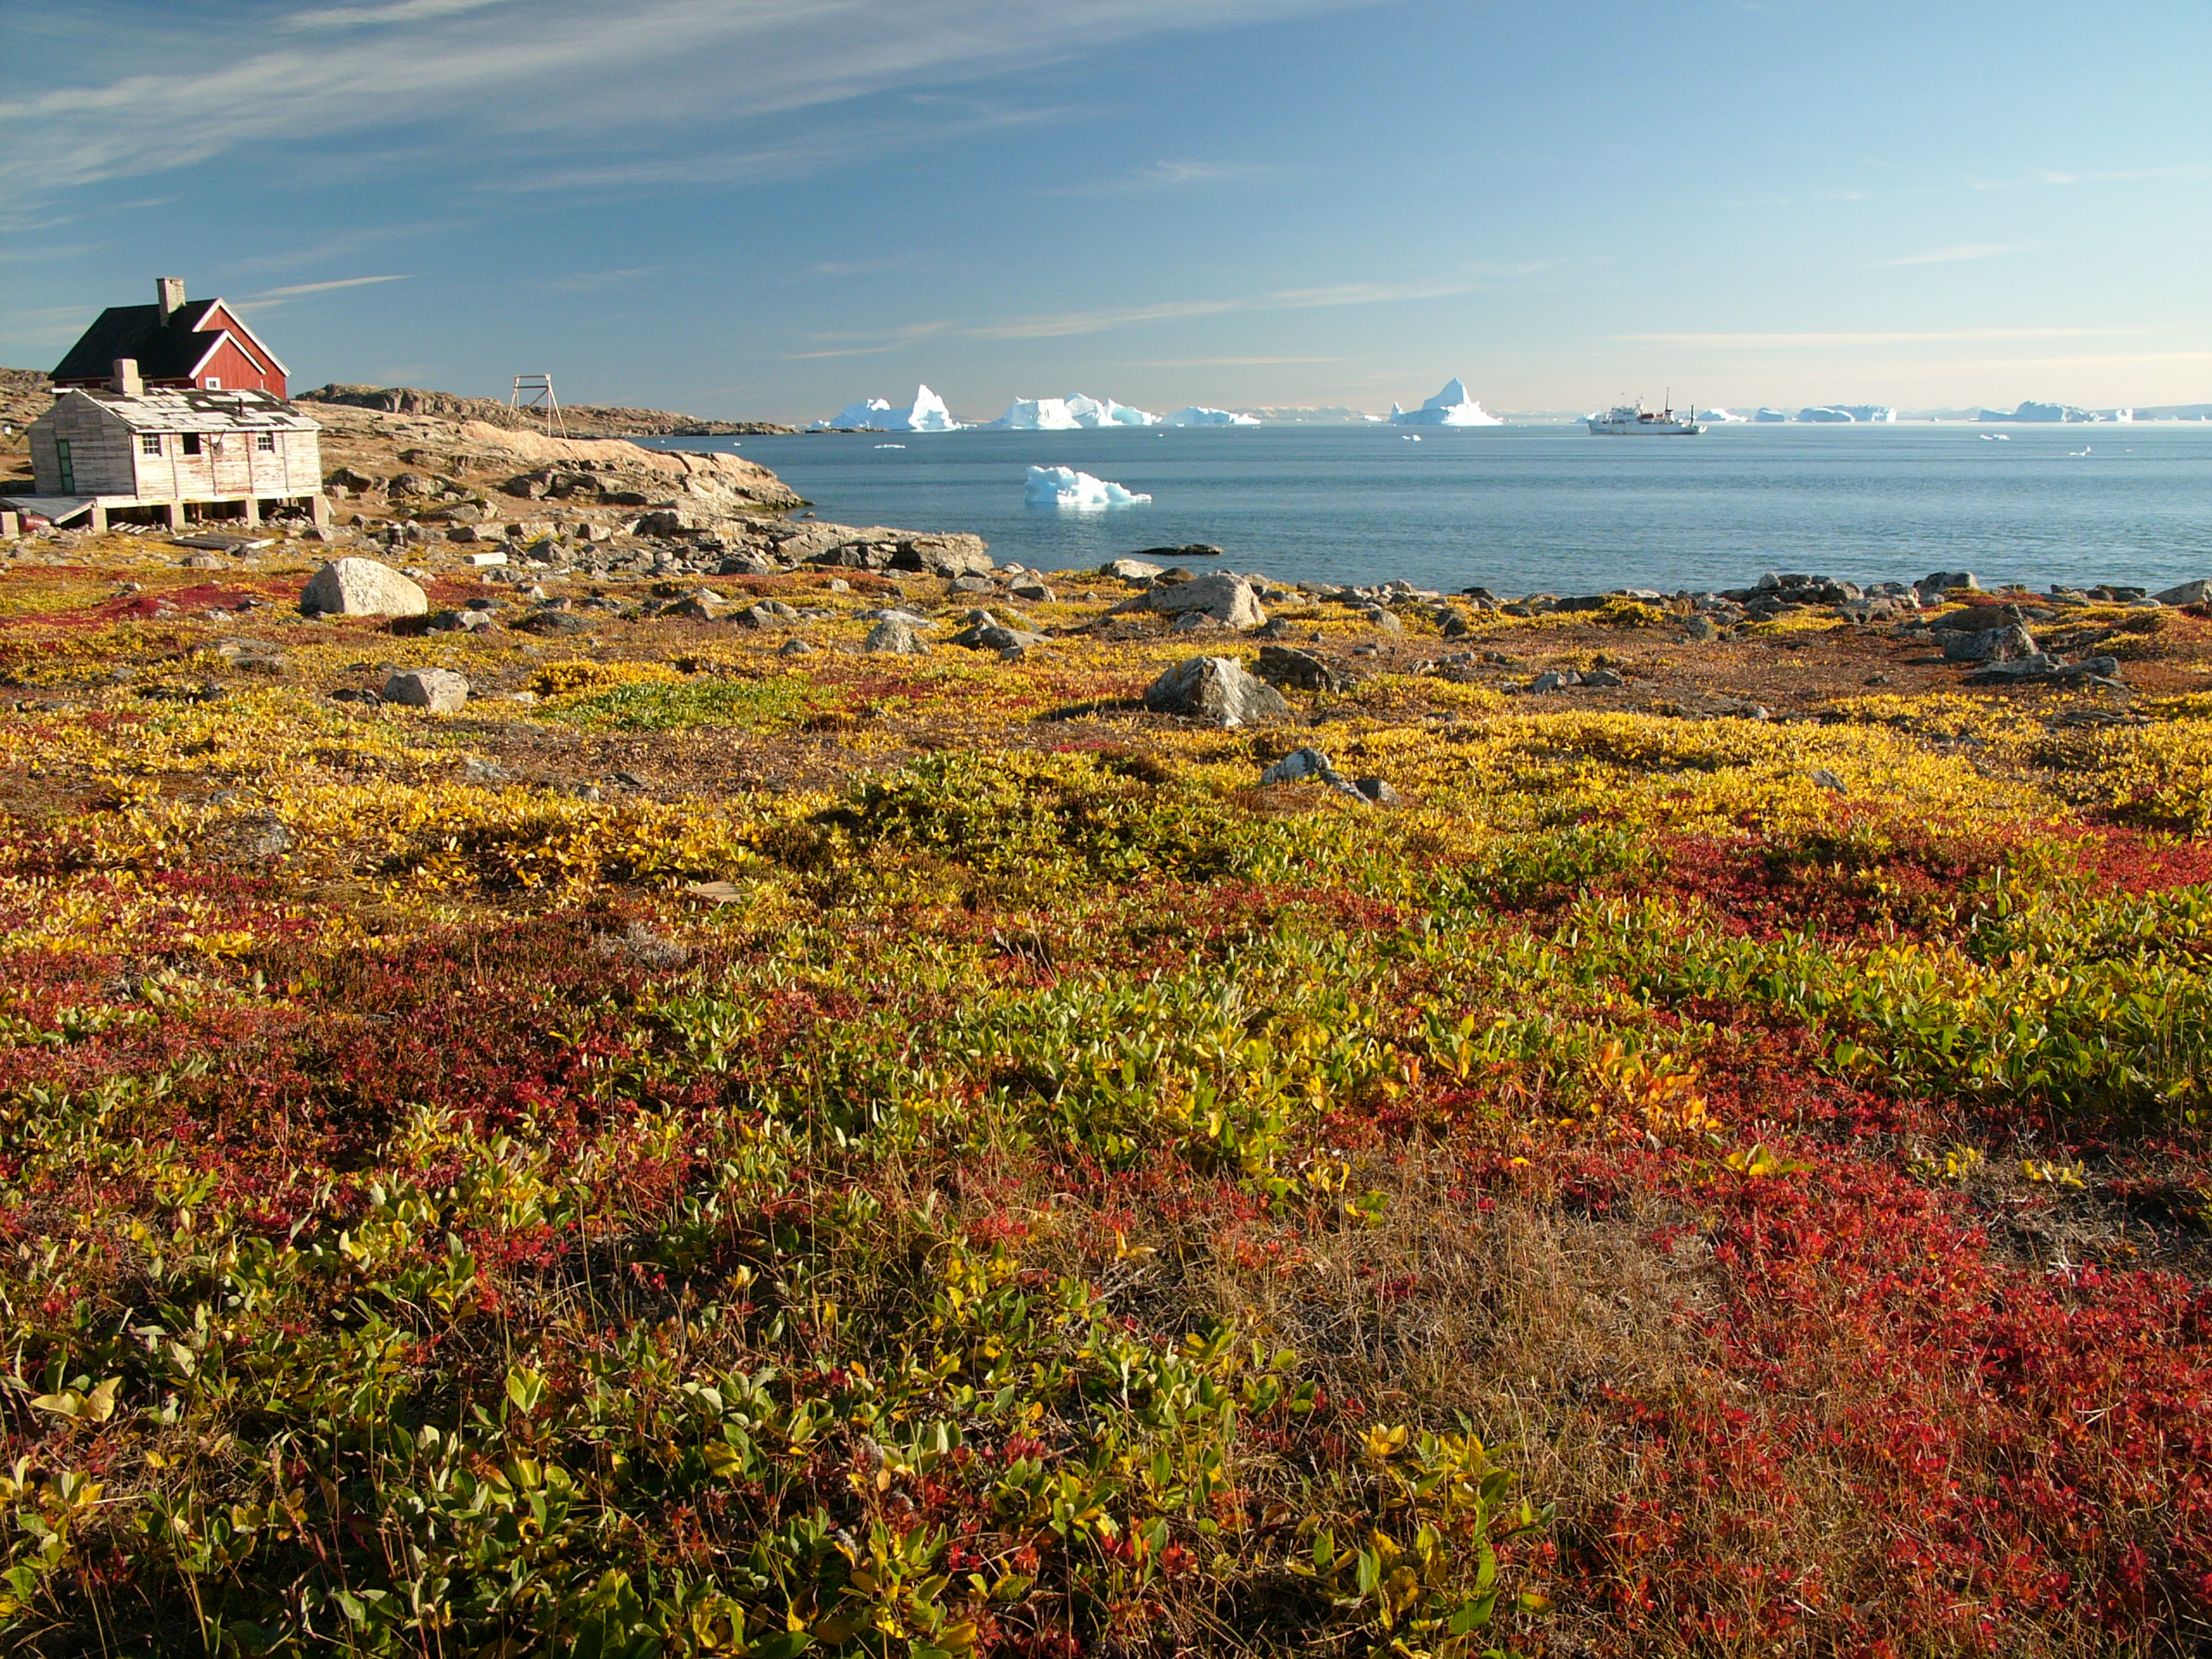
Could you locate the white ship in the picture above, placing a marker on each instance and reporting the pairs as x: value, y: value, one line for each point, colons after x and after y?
x: 1626, y: 418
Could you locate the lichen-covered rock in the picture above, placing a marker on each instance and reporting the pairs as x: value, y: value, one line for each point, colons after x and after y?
x: 1216, y: 689
x: 438, y: 690
x: 362, y: 588
x: 1225, y: 597
x: 896, y: 638
x: 2010, y: 644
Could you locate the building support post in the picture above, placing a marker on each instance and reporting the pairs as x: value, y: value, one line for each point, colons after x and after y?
x: 319, y: 504
x: 100, y: 519
x: 253, y: 509
x: 173, y: 514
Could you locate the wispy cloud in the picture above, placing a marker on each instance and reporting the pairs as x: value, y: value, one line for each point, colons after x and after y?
x: 398, y: 13
x: 1221, y: 362
x: 591, y: 282
x: 1067, y: 324
x: 1966, y: 251
x: 1169, y: 176
x: 567, y: 84
x: 1887, y: 338
x: 298, y: 288
x: 2045, y: 176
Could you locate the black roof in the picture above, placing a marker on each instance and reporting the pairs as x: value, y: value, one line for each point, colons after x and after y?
x: 164, y: 351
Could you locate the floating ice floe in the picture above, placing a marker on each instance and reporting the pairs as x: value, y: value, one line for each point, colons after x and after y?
x: 1067, y: 414
x: 927, y: 413
x: 1450, y: 407
x: 1195, y: 416
x: 1063, y: 486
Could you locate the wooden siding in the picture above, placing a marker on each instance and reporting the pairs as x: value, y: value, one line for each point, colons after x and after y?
x: 240, y: 358
x: 102, y: 460
x: 237, y: 370
x: 230, y: 466
x: 107, y: 459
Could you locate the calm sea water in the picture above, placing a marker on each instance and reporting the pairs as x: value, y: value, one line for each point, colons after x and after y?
x: 1519, y: 509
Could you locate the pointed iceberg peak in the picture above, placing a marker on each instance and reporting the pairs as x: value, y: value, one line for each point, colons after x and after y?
x: 1450, y: 407
x: 927, y: 413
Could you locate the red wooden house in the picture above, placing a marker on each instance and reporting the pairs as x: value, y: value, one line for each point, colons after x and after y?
x: 177, y: 344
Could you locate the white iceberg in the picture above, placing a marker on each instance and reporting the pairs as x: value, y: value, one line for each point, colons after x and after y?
x: 1195, y: 416
x: 1721, y: 416
x: 927, y: 413
x: 1075, y: 410
x: 1450, y: 407
x: 1063, y: 486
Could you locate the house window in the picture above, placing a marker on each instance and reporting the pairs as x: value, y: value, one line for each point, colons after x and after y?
x: 192, y: 443
x: 265, y: 442
x: 214, y: 385
x: 68, y: 465
x: 150, y: 443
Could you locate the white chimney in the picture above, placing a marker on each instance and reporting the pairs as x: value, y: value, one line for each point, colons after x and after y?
x: 126, y: 379
x: 169, y: 291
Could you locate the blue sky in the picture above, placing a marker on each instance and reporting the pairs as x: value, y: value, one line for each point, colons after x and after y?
x: 773, y: 207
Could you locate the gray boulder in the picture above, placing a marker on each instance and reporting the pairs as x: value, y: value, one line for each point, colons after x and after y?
x: 942, y: 555
x: 1216, y: 691
x: 2189, y: 592
x: 994, y: 637
x: 1227, y: 597
x: 1302, y: 671
x: 897, y: 639
x: 361, y: 588
x: 438, y: 690
x: 1136, y: 570
x: 1938, y: 582
x: 2010, y: 644
x: 769, y: 613
x: 2040, y: 670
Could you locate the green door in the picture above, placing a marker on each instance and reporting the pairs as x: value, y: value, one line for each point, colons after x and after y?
x: 68, y: 467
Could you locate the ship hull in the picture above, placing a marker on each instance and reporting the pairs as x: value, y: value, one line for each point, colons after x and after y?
x: 1645, y: 428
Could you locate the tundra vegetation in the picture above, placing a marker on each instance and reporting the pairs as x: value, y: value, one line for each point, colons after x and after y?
x: 712, y: 1152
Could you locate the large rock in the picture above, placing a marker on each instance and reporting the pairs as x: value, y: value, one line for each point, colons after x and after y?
x: 1216, y: 689
x: 438, y: 690
x: 1299, y: 669
x: 2189, y: 592
x: 1227, y: 597
x: 362, y: 588
x: 2010, y: 644
x: 898, y: 637
x: 1936, y: 583
x: 942, y: 555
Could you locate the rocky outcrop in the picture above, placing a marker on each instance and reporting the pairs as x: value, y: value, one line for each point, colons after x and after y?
x: 585, y: 420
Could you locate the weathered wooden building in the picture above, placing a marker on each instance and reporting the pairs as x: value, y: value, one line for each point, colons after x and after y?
x: 176, y: 343
x: 130, y: 450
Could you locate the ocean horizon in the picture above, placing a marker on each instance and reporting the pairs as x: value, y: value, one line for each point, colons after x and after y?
x: 1552, y: 508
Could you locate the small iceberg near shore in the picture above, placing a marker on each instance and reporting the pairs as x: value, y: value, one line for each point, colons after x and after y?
x: 1450, y: 407
x: 927, y: 413
x: 1063, y: 486
x: 1194, y: 416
